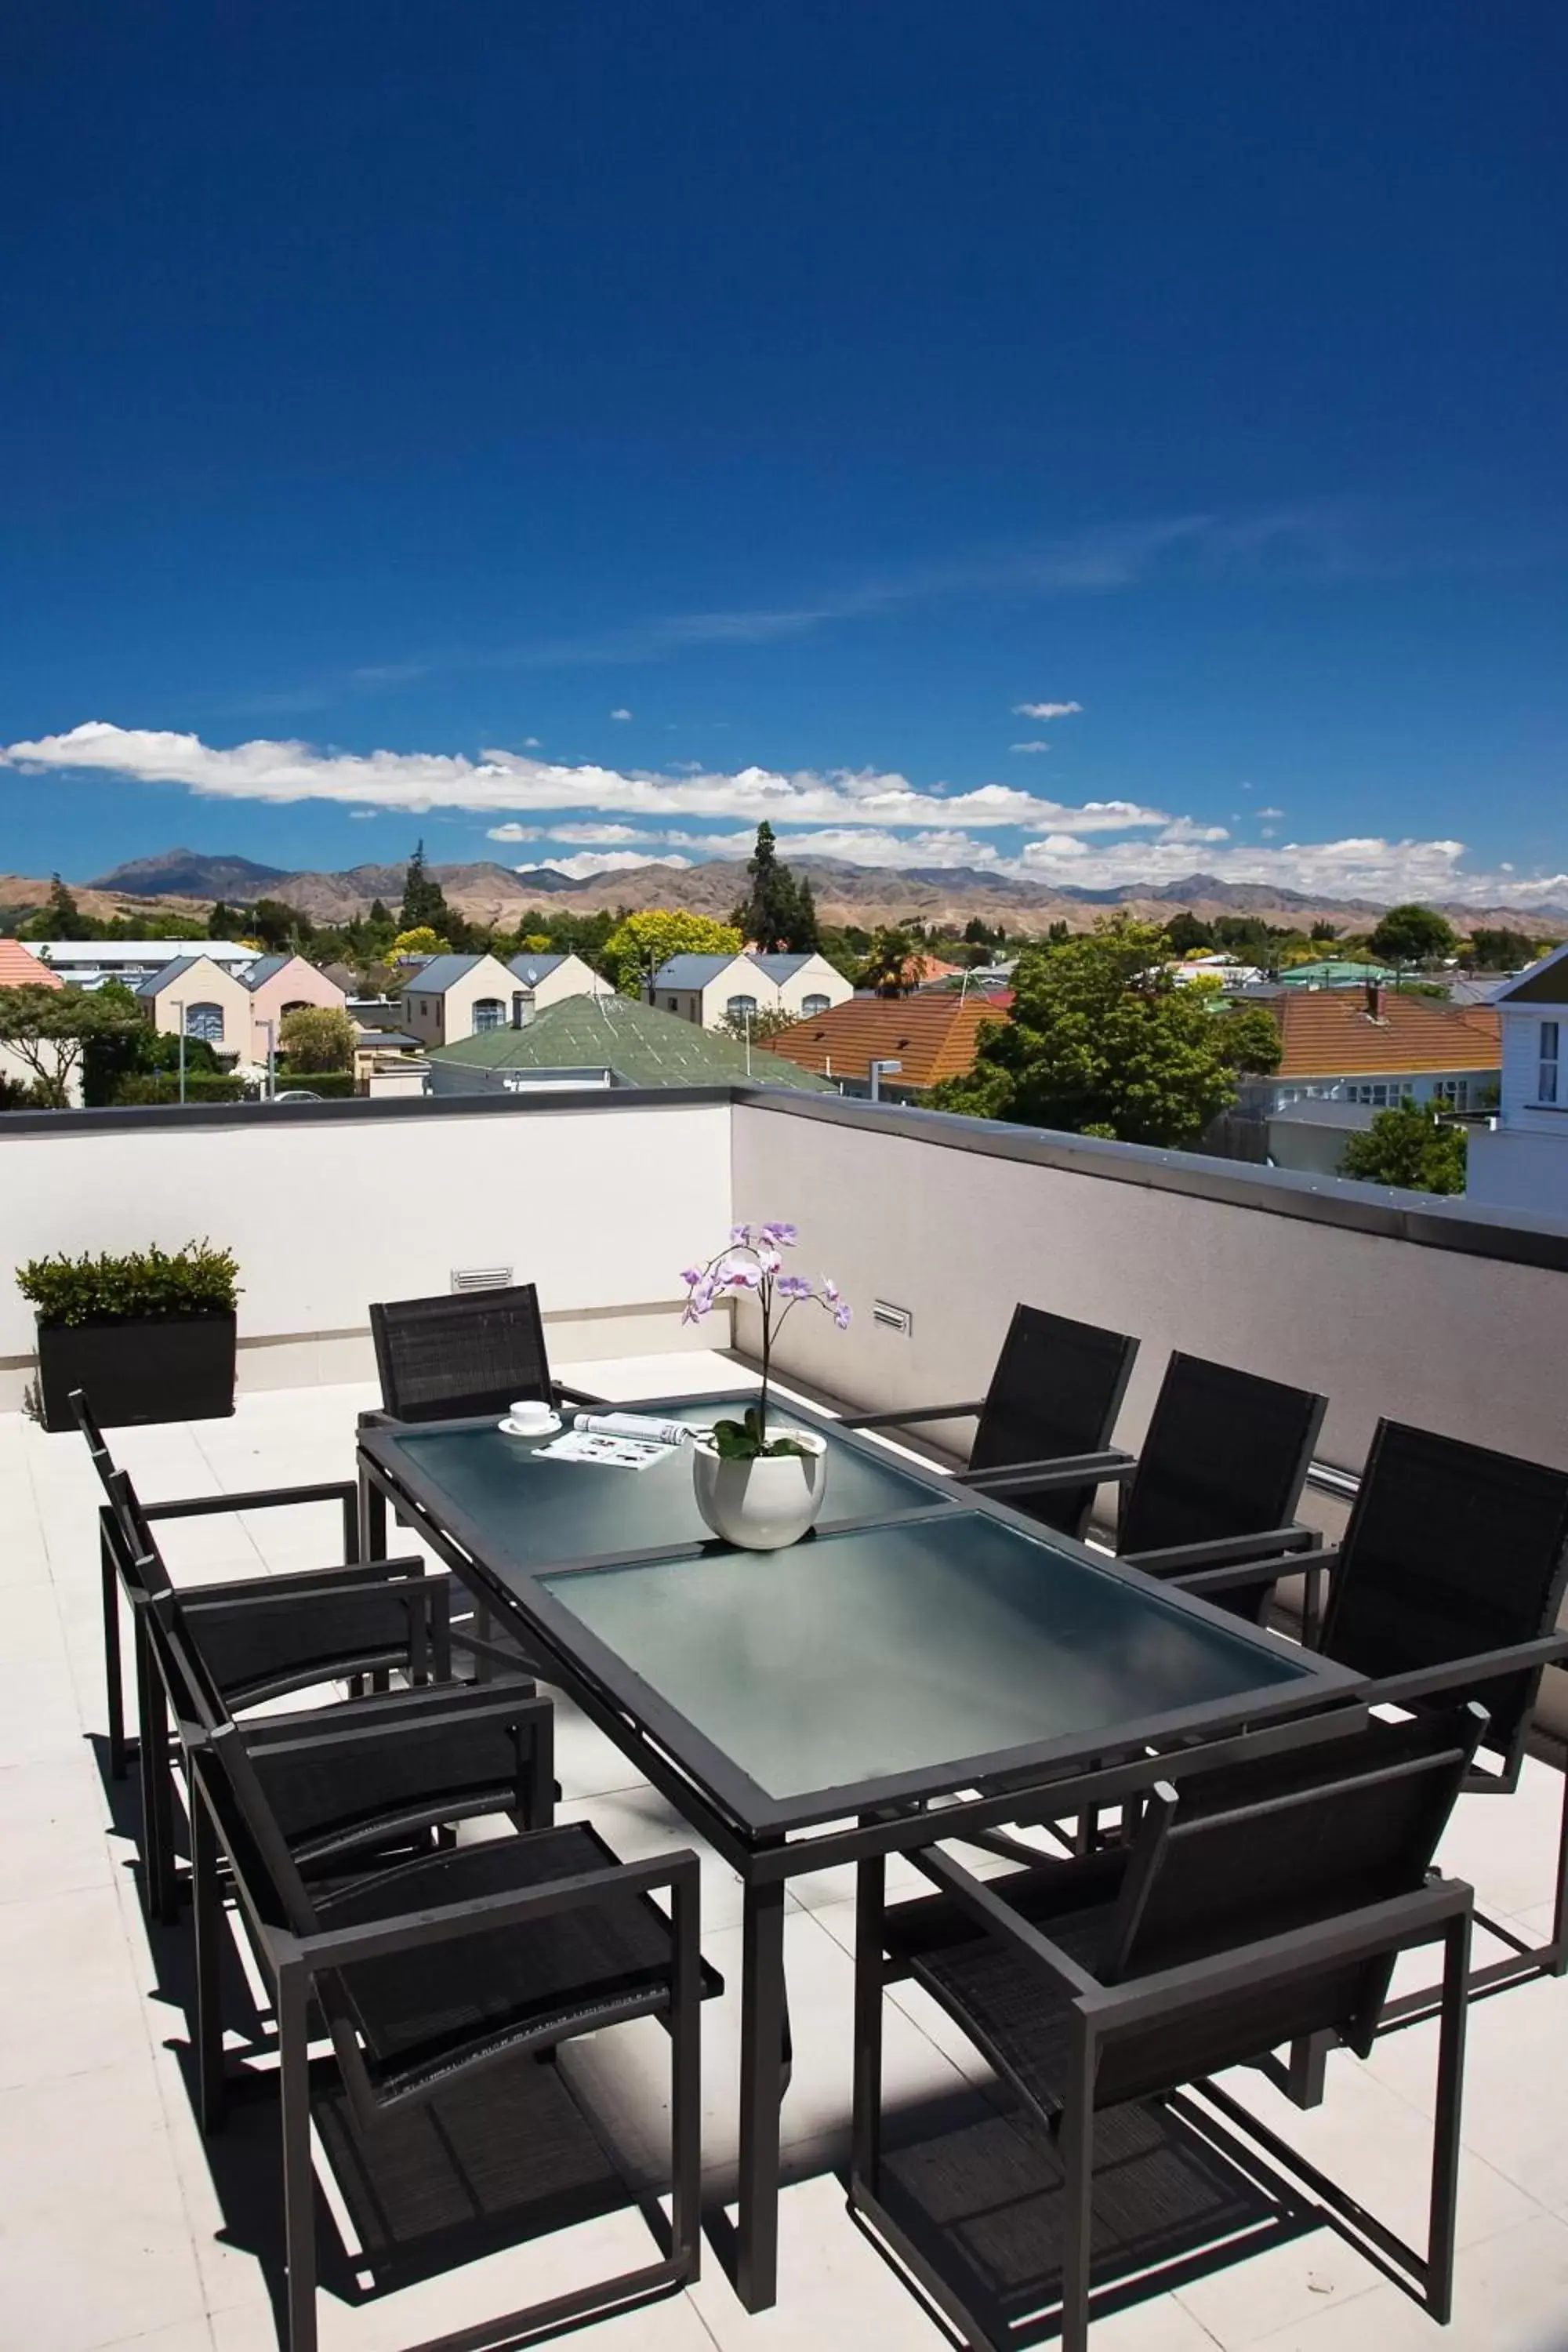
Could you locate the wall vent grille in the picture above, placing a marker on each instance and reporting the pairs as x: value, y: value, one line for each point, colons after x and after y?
x: 481, y: 1278
x: 893, y: 1319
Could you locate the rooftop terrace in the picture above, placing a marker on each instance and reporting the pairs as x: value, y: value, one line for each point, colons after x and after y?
x: 123, y: 2229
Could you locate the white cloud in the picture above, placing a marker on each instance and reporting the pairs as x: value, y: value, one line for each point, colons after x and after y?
x: 1187, y: 828
x: 362, y: 814
x: 1046, y: 709
x: 510, y: 785
x: 586, y: 861
x: 1270, y: 812
x: 603, y: 835
x: 620, y: 714
x: 531, y: 742
x: 1038, y: 745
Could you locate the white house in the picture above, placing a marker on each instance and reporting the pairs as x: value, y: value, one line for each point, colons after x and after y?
x: 1522, y: 1161
x: 711, y: 988
x: 450, y: 997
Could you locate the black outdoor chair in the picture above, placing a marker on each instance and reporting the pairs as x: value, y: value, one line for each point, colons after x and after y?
x: 468, y: 1352
x: 1218, y: 1479
x: 1266, y: 1910
x: 1448, y: 1583
x: 441, y: 1982
x: 261, y: 1639
x: 343, y: 1492
x: 1054, y: 1396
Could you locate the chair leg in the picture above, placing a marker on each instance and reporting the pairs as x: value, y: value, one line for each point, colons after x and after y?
x: 299, y: 2175
x: 1077, y: 2148
x: 1446, y: 2128
x: 866, y: 2133
x: 1559, y: 1892
x: 685, y: 2086
x: 211, y: 2084
x: 157, y: 1792
x: 113, y: 1687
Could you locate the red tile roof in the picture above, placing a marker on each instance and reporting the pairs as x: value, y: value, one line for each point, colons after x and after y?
x: 20, y: 968
x: 1330, y: 1033
x: 934, y: 1036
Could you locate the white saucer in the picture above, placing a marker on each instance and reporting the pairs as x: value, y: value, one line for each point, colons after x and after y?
x: 510, y: 1428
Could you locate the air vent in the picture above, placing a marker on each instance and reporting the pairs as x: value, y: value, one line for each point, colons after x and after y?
x: 481, y: 1278
x: 893, y: 1319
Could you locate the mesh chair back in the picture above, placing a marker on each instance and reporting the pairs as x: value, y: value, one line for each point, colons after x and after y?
x: 1226, y: 1455
x: 1056, y: 1390
x: 1330, y: 1831
x: 1451, y: 1550
x: 250, y: 1831
x: 441, y: 1358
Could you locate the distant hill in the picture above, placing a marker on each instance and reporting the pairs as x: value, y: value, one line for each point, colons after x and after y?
x: 488, y: 892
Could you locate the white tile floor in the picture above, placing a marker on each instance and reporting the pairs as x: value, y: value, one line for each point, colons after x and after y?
x: 112, y: 2235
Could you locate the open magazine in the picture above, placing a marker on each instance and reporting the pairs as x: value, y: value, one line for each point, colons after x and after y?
x: 616, y: 1441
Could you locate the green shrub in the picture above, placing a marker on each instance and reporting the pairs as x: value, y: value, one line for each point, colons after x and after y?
x: 195, y: 1280
x: 333, y: 1085
x: 161, y: 1087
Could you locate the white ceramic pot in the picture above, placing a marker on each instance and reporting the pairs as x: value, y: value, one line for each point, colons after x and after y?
x: 764, y: 1504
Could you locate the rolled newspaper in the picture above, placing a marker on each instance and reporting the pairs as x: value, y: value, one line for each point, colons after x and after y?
x: 635, y: 1424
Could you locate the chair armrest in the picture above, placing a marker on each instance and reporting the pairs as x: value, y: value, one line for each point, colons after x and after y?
x: 358, y: 1723
x: 344, y: 1491
x: 985, y: 1906
x: 565, y: 1394
x: 1461, y: 1673
x: 1169, y: 1559
x: 907, y: 1415
x: 1065, y: 1470
x: 337, y: 1948
x: 1256, y: 1571
x: 306, y: 1583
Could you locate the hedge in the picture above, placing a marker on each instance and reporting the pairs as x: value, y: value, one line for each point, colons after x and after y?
x: 163, y: 1087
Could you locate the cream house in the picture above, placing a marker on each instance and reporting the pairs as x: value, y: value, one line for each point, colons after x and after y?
x: 457, y: 996
x: 551, y: 979
x: 197, y: 995
x: 280, y: 984
x: 711, y: 988
x: 807, y: 984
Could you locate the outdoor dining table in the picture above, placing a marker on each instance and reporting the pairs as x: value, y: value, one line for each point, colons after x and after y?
x: 924, y: 1648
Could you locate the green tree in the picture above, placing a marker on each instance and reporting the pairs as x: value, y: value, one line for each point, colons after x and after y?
x: 1412, y: 1147
x: 1323, y: 933
x: 424, y: 902
x: 317, y: 1037
x: 778, y: 913
x: 769, y: 1022
x: 1413, y: 934
x: 640, y: 943
x: 1501, y: 949
x: 1101, y: 1039
x: 59, y: 918
x: 1186, y: 935
x: 892, y: 966
x: 420, y: 941
x: 48, y: 1030
x: 282, y: 930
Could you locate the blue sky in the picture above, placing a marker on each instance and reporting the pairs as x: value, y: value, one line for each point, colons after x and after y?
x: 571, y: 432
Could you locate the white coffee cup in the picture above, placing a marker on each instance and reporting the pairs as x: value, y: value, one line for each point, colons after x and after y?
x: 530, y: 1414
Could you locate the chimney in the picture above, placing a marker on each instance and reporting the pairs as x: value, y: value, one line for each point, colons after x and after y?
x: 1374, y: 1000
x: 522, y: 1007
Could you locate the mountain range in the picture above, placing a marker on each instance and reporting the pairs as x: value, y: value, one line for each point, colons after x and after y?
x: 186, y: 881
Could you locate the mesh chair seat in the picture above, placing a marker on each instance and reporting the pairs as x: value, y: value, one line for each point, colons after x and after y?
x: 420, y: 2017
x: 253, y: 1651
x: 1012, y: 2008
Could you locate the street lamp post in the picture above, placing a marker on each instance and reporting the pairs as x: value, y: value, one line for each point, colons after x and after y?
x: 180, y: 1009
x: 880, y: 1070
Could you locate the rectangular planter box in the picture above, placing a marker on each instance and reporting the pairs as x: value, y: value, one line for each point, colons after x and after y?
x: 164, y: 1367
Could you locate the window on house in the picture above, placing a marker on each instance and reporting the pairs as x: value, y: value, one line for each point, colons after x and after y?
x: 490, y: 1012
x: 205, y: 1021
x: 739, y: 1006
x: 1546, y: 1079
x: 672, y: 1004
x: 812, y: 1006
x: 300, y: 1004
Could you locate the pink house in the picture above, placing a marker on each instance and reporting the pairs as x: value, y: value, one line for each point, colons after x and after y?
x: 277, y: 985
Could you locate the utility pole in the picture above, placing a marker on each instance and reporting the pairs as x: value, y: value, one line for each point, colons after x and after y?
x: 180, y: 1011
x: 271, y: 1029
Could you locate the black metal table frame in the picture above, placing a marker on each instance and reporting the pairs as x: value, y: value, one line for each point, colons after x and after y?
x: 760, y: 1836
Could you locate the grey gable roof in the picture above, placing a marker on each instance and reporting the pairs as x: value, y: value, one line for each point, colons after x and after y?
x: 157, y: 981
x: 442, y: 972
x: 693, y: 971
x: 264, y: 968
x: 778, y: 968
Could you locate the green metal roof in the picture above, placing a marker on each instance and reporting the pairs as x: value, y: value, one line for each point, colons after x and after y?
x: 643, y: 1046
x: 1332, y: 974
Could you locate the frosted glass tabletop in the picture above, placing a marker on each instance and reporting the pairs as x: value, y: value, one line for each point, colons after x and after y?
x: 882, y: 1650
x: 534, y: 1514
